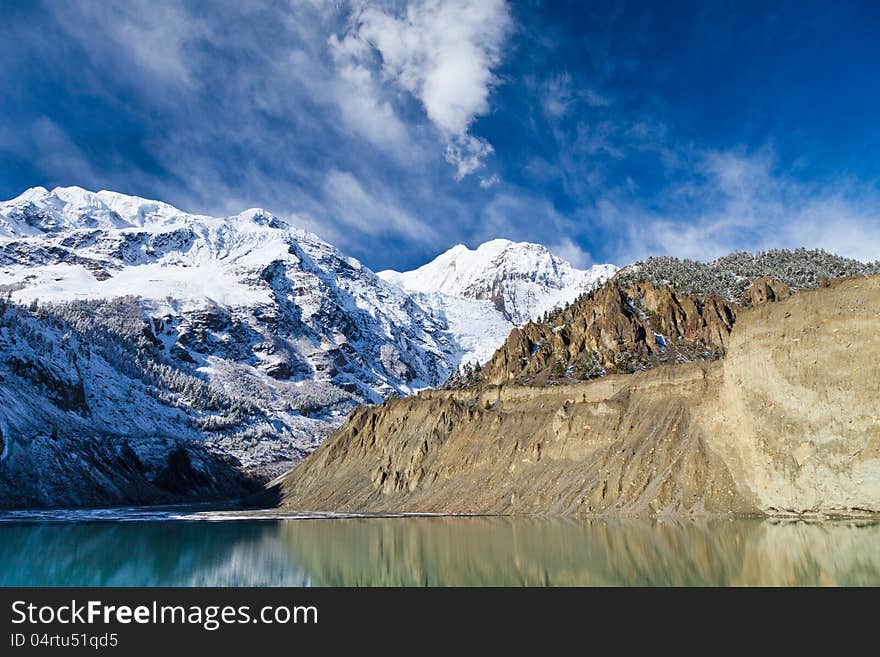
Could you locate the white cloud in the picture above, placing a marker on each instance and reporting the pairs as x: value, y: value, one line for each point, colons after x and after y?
x: 568, y: 250
x: 557, y: 96
x: 738, y: 200
x: 443, y: 52
x: 467, y: 154
x: 838, y: 225
x: 360, y: 98
x: 490, y: 181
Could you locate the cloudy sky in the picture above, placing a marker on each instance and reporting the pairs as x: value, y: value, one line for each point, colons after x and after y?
x: 606, y: 130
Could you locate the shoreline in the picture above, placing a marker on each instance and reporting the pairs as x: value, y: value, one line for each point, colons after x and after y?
x: 204, y: 513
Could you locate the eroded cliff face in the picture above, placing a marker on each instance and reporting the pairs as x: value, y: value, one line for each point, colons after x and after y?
x: 800, y: 401
x: 787, y: 422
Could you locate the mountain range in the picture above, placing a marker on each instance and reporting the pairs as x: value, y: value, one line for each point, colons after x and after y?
x: 153, y: 355
x: 198, y: 348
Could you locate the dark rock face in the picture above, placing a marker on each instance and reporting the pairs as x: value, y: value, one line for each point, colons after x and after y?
x: 179, y: 476
x: 67, y: 394
x: 766, y: 289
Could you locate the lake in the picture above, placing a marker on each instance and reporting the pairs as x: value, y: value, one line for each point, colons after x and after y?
x: 194, y: 547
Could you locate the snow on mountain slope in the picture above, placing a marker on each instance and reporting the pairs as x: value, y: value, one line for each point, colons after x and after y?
x: 475, y: 325
x: 481, y: 294
x: 38, y: 211
x: 87, y: 420
x: 305, y: 311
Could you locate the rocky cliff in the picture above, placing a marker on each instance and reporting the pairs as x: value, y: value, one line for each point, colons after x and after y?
x: 615, y: 329
x: 786, y: 422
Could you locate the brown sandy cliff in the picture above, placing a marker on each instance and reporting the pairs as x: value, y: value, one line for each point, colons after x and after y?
x: 787, y: 422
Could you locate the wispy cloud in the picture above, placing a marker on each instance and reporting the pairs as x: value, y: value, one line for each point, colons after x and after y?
x: 560, y: 96
x: 397, y: 129
x: 153, y: 37
x: 443, y: 52
x: 356, y: 207
x: 736, y: 200
x: 568, y: 250
x: 290, y: 110
x: 365, y: 106
x: 46, y: 143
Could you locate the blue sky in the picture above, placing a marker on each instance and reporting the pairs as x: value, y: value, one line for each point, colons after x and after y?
x: 606, y: 130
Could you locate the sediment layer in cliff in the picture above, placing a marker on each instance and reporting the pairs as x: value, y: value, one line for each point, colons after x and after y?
x: 787, y: 422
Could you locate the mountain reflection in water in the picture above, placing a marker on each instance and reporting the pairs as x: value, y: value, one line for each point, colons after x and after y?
x: 440, y: 551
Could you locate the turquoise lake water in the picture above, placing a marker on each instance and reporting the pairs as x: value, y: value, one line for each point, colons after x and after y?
x: 187, y: 547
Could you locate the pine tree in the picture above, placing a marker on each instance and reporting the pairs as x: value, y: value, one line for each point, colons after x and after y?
x: 467, y: 374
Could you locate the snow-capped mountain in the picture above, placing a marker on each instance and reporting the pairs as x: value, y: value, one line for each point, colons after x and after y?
x: 193, y: 348
x: 246, y: 288
x: 482, y: 293
x: 276, y: 332
x: 522, y: 280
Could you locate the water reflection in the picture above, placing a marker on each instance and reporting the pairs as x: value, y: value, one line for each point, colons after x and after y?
x: 439, y: 552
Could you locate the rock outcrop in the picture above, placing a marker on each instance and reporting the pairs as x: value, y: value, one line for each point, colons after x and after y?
x: 765, y: 289
x: 787, y: 422
x: 618, y: 330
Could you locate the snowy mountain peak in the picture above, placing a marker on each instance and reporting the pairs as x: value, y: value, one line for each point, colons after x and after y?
x: 521, y: 279
x: 40, y: 211
x: 28, y: 195
x: 261, y: 217
x: 137, y: 211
